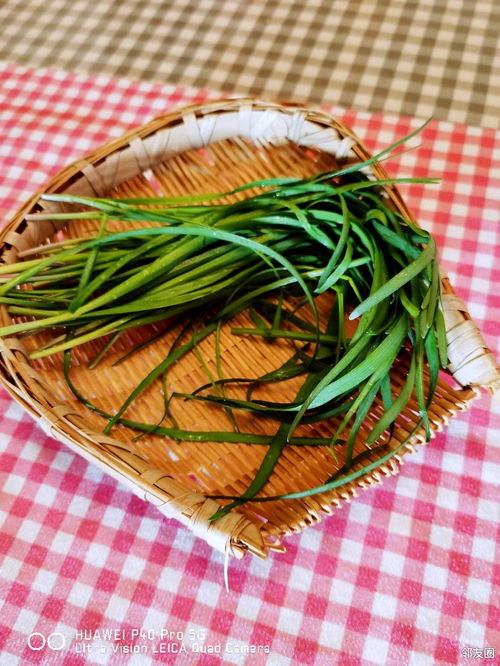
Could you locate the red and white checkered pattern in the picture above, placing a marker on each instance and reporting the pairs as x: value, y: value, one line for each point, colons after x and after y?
x: 403, y: 575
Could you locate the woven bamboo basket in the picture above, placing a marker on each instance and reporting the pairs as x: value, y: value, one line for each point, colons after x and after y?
x: 199, y: 149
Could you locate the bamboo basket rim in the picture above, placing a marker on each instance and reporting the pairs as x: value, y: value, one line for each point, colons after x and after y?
x: 193, y: 128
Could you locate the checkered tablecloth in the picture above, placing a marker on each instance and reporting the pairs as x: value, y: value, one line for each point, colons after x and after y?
x: 405, y: 575
x: 414, y: 57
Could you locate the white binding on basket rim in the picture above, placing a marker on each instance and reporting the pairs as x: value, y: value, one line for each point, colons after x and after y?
x: 272, y: 126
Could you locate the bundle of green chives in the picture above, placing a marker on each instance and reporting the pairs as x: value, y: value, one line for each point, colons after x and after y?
x: 203, y: 264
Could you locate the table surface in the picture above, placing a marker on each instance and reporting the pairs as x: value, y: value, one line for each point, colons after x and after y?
x: 405, y: 574
x: 413, y: 57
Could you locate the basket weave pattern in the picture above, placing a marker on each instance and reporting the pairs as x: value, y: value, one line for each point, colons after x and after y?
x: 202, y: 149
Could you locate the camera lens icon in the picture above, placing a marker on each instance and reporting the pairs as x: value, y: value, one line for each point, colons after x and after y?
x: 55, y: 641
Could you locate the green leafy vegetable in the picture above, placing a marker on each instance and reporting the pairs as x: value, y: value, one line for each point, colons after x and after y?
x: 300, y: 239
